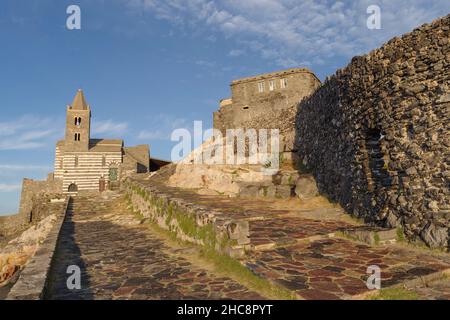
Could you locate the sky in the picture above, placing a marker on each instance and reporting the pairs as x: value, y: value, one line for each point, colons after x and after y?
x: 148, y: 67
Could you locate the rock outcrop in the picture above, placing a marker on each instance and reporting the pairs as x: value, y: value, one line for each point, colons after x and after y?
x: 19, y: 250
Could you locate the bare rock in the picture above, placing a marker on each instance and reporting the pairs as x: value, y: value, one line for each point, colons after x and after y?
x: 435, y: 236
x: 306, y: 187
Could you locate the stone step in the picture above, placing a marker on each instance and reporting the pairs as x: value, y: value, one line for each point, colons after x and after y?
x: 282, y: 231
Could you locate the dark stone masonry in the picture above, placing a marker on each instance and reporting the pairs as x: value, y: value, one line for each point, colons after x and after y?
x: 376, y: 134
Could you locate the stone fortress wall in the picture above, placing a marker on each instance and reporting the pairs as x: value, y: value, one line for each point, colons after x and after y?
x: 376, y: 135
x: 35, y: 199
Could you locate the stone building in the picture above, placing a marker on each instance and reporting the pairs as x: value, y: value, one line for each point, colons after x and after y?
x: 255, y: 97
x: 81, y: 164
x: 267, y: 101
x: 84, y: 163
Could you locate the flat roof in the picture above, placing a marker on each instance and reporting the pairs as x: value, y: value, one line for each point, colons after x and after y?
x: 273, y: 74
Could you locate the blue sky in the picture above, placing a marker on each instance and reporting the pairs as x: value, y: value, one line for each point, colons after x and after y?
x: 149, y: 66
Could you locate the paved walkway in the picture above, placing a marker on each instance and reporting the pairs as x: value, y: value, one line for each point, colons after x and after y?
x: 292, y: 245
x: 121, y: 259
x: 297, y: 244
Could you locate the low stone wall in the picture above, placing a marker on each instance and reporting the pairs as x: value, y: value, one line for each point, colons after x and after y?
x: 34, y: 200
x: 376, y: 134
x: 188, y: 221
x: 33, y: 278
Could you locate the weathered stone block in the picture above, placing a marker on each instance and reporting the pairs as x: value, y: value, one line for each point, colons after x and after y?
x: 306, y: 187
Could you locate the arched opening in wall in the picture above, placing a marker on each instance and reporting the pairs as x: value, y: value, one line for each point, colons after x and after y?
x: 113, y: 177
x: 72, y: 187
x: 113, y: 174
x: 378, y: 176
x: 31, y: 217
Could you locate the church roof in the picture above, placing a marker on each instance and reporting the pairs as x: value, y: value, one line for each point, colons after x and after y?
x: 79, y: 102
x: 105, y: 145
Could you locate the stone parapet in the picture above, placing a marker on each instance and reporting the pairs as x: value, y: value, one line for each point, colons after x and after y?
x: 34, y: 277
x: 189, y: 221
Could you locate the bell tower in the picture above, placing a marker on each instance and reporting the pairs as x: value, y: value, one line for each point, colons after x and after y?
x: 78, y: 124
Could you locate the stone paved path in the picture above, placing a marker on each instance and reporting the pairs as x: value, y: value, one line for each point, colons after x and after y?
x: 121, y: 259
x: 337, y: 268
x: 297, y: 245
x: 291, y: 244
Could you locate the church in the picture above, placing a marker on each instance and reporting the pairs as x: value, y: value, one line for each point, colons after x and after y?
x: 83, y: 163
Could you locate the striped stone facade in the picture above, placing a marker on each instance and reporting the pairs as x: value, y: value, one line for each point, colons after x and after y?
x: 85, y: 164
x: 85, y: 169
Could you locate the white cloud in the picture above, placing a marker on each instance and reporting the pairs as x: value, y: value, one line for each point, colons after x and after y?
x: 109, y: 127
x: 29, y: 132
x: 9, y: 187
x: 34, y: 132
x: 291, y: 32
x: 236, y: 53
x: 161, y: 126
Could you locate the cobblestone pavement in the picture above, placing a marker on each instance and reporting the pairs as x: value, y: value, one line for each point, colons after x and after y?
x: 337, y: 268
x: 121, y: 259
x: 290, y: 244
x: 296, y: 245
x: 289, y: 230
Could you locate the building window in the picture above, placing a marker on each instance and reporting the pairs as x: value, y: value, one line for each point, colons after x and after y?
x: 103, y: 160
x: 77, y: 136
x: 76, y: 161
x: 272, y: 85
x: 77, y: 121
x: 261, y: 87
x: 283, y: 83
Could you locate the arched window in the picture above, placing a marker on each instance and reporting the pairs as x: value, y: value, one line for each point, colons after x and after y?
x: 77, y: 121
x: 72, y: 188
x: 77, y: 136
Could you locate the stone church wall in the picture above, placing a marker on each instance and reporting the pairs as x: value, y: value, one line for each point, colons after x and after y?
x: 376, y: 135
